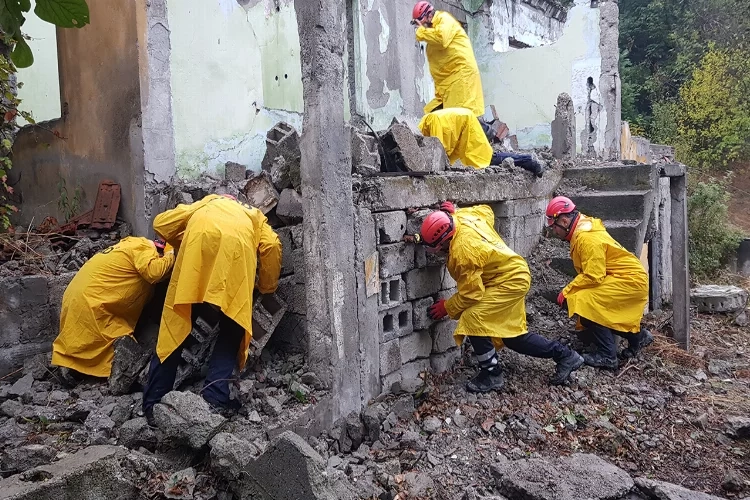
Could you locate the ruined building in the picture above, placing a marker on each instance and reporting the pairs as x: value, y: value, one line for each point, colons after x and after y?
x: 156, y: 95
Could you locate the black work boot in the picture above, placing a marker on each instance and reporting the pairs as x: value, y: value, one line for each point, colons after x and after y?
x: 149, y: 414
x: 565, y: 367
x: 599, y: 360
x: 636, y: 343
x: 488, y: 379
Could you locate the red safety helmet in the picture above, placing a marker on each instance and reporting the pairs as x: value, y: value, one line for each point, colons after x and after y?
x: 436, y: 229
x: 557, y: 206
x: 421, y: 10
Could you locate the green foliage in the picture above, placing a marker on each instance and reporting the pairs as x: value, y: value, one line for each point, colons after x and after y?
x: 712, y: 239
x: 664, y: 123
x: 68, y: 206
x: 714, y: 111
x: 63, y: 13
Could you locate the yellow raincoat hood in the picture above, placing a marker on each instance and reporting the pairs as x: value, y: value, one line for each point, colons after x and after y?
x: 612, y: 286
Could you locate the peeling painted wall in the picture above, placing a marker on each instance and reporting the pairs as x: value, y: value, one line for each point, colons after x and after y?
x: 391, y: 76
x: 563, y: 55
x: 235, y: 72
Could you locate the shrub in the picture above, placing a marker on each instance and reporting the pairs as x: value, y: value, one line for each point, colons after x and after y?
x: 712, y: 239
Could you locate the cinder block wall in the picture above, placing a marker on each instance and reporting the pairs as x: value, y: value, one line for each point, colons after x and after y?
x: 29, y: 317
x: 409, y: 280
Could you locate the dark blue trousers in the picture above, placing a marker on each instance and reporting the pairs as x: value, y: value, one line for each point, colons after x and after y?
x: 602, y: 337
x: 161, y: 376
x: 530, y: 344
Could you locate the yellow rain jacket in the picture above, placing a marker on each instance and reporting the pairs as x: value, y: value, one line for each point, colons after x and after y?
x: 452, y: 65
x: 104, y: 301
x: 492, y: 279
x: 219, y: 241
x: 612, y: 286
x: 461, y: 135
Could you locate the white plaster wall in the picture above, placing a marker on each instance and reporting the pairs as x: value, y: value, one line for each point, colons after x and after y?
x: 387, y: 54
x: 523, y: 84
x: 235, y: 73
x: 40, y: 93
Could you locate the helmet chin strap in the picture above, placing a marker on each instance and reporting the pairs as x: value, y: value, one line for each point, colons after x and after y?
x: 570, y: 227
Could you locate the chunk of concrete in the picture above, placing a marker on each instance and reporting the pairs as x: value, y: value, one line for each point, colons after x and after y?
x: 136, y: 433
x: 38, y: 366
x: 738, y: 427
x: 442, y: 336
x: 444, y: 362
x: 396, y: 322
x: 579, y: 476
x: 23, y: 458
x: 421, y: 316
x: 260, y: 192
x: 230, y: 455
x: 22, y: 386
x: 390, y: 226
x: 395, y: 259
x: 436, y: 160
x: 416, y: 345
x: 129, y: 360
x: 399, y: 140
x: 290, y: 469
x: 187, y: 418
x: 90, y: 474
x: 282, y: 141
x: 666, y: 491
x: 564, y: 129
x: 365, y: 155
x: 289, y: 208
x: 423, y: 282
x: 234, y: 172
x: 718, y: 298
x: 280, y: 173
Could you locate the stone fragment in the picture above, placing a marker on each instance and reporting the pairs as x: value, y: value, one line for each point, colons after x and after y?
x: 38, y: 366
x: 234, y: 172
x: 137, y: 433
x: 666, y: 491
x: 390, y: 226
x: 373, y: 418
x: 355, y: 429
x: 400, y: 141
x: 365, y: 154
x: 23, y: 458
x: 734, y: 482
x: 569, y: 478
x: 292, y: 470
x: 289, y: 208
x: 187, y: 418
x: 280, y: 173
x: 718, y: 298
x: 230, y: 455
x: 22, y: 386
x: 130, y: 359
x: 271, y: 406
x: 431, y: 425
x: 738, y: 427
x: 434, y: 154
x: 11, y: 408
x: 283, y: 141
x: 99, y: 422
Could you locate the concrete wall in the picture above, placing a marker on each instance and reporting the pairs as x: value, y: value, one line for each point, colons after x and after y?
x: 634, y: 147
x: 99, y: 132
x: 40, y: 92
x: 565, y: 52
x: 29, y: 317
x: 235, y: 72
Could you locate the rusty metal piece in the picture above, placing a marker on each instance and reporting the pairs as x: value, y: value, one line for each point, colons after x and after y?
x: 106, y: 206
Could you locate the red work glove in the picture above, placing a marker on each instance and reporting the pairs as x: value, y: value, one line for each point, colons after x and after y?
x: 560, y: 299
x: 437, y: 310
x: 448, y: 206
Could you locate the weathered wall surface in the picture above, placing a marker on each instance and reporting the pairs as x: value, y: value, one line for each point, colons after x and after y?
x: 29, y: 317
x: 100, y: 125
x: 231, y: 80
x: 530, y: 52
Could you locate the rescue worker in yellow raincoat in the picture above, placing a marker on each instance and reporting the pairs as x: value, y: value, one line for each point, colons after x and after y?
x: 463, y: 139
x: 451, y: 59
x: 611, y: 289
x: 104, y: 301
x: 490, y: 302
x: 220, y: 243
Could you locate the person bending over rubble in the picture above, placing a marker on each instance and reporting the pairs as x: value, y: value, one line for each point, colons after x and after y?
x: 220, y: 243
x: 490, y: 303
x: 463, y: 139
x: 104, y: 301
x: 453, y: 66
x: 611, y: 290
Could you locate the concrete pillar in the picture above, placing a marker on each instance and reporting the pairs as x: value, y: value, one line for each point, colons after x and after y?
x: 564, y: 128
x: 328, y: 226
x: 609, y: 80
x: 680, y: 274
